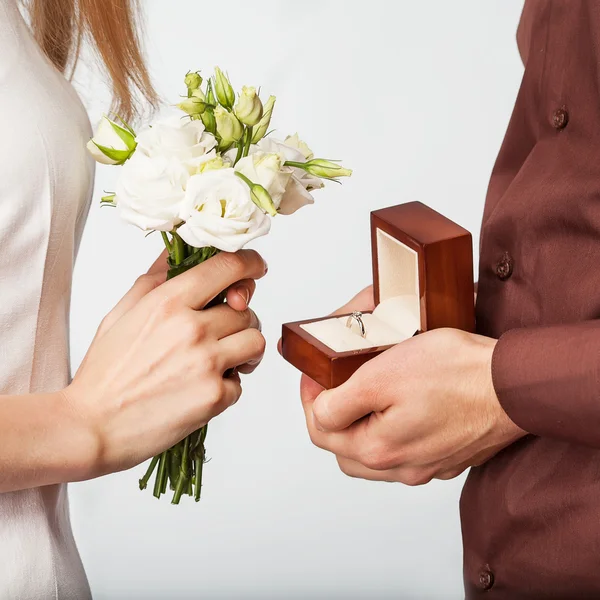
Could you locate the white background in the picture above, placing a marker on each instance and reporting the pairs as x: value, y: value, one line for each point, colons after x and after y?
x: 415, y: 96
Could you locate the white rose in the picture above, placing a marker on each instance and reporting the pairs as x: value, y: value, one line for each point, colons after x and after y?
x: 301, y: 183
x: 177, y: 137
x: 217, y: 211
x: 150, y: 191
x: 113, y: 144
x: 267, y: 170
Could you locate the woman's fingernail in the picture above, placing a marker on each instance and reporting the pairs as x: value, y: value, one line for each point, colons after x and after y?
x: 266, y: 267
x: 244, y: 293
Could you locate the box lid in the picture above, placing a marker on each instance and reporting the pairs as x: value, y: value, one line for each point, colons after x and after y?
x: 425, y: 260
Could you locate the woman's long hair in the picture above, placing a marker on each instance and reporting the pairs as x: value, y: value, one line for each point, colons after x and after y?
x: 111, y: 27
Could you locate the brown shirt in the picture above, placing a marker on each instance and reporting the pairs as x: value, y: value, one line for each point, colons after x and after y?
x: 531, y: 515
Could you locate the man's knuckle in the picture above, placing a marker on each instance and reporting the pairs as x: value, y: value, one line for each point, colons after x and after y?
x: 377, y: 456
x: 415, y: 477
x: 316, y: 438
x: 345, y: 467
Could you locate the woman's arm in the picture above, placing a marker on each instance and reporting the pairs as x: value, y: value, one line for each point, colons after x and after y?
x: 43, y: 441
x: 153, y: 374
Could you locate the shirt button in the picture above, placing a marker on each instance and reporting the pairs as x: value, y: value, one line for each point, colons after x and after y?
x: 560, y: 118
x: 504, y: 268
x: 486, y: 579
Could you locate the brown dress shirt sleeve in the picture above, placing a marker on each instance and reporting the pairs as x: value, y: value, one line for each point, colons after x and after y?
x: 547, y: 380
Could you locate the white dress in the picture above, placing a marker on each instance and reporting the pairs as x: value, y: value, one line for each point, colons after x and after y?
x: 46, y: 180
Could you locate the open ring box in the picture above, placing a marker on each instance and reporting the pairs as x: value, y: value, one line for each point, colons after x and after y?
x: 423, y: 280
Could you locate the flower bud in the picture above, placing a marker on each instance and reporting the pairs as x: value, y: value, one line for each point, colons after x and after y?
x: 210, y: 95
x: 249, y: 108
x: 195, y: 105
x: 193, y: 81
x: 223, y: 89
x: 319, y: 167
x: 112, y: 144
x: 210, y: 123
x: 263, y: 199
x: 259, y: 132
x: 228, y: 127
x: 109, y: 199
x: 259, y: 195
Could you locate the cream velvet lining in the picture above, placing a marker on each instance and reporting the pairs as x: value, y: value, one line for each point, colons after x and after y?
x: 395, y: 319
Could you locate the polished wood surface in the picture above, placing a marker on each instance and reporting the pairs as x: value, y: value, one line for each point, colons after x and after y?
x: 446, y: 289
x: 322, y: 364
x: 445, y: 253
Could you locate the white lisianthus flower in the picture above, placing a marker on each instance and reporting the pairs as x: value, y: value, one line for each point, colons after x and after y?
x: 214, y: 164
x: 152, y: 184
x: 112, y: 144
x: 267, y: 170
x: 218, y: 211
x: 177, y: 137
x: 295, y: 142
x: 150, y: 191
x: 297, y: 193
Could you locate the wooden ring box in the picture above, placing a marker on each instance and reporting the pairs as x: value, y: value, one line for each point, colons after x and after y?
x: 423, y: 280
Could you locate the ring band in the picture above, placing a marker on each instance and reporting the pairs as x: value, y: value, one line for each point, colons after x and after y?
x: 357, y: 316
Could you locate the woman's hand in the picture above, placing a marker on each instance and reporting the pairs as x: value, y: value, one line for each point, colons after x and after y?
x: 155, y: 371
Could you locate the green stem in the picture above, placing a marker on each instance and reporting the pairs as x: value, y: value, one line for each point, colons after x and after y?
x: 199, y: 461
x: 291, y: 163
x: 165, y: 476
x: 248, y: 141
x: 247, y: 181
x: 162, y: 471
x: 174, y: 465
x: 182, y: 481
x: 178, y: 248
x: 181, y: 485
x: 168, y: 245
x: 146, y: 478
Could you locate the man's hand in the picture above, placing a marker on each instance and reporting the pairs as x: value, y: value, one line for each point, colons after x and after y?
x: 424, y: 409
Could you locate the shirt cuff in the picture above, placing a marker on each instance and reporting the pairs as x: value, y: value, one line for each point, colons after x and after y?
x: 547, y: 380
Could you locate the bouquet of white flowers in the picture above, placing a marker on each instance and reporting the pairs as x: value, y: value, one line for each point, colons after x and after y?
x: 209, y: 181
